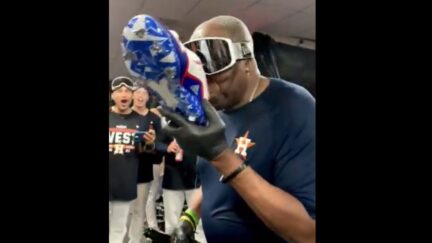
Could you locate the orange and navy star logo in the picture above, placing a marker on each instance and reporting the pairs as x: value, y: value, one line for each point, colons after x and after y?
x: 243, y: 143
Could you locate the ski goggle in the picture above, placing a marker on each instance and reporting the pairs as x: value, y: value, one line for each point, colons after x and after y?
x: 219, y: 54
x: 122, y: 81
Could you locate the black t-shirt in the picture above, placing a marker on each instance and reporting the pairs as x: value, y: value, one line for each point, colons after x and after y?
x: 180, y: 175
x: 123, y: 158
x: 280, y: 124
x: 146, y: 160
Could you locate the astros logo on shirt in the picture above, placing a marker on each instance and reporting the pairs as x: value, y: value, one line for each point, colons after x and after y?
x: 243, y: 143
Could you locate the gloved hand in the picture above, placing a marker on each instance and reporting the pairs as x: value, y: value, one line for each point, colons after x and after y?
x: 205, y: 141
x: 183, y: 233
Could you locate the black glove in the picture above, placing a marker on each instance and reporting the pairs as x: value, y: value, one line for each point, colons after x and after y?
x: 184, y: 233
x: 205, y: 141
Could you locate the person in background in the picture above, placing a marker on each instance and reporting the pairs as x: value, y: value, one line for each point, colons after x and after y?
x: 124, y: 124
x: 180, y: 182
x: 147, y: 159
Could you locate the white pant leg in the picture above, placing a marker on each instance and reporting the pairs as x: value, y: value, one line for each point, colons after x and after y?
x: 199, y: 233
x: 173, y: 205
x: 118, y: 214
x: 137, y: 209
x: 151, y: 205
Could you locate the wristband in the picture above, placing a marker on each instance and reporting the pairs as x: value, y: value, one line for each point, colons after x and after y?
x: 233, y: 174
x: 186, y: 218
x: 193, y: 215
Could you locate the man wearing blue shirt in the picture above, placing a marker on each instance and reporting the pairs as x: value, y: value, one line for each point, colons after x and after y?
x: 257, y: 169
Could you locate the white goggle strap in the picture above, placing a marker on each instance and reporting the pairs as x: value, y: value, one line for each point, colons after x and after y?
x: 242, y: 50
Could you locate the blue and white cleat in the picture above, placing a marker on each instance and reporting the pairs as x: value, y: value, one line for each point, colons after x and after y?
x: 154, y: 54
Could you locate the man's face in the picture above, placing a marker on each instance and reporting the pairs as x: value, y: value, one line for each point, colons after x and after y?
x: 227, y: 88
x: 140, y: 97
x: 122, y: 98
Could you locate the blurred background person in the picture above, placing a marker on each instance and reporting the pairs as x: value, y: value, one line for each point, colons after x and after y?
x: 149, y: 157
x: 179, y: 183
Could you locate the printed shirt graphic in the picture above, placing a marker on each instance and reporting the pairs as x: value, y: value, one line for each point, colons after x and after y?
x: 243, y: 143
x: 121, y: 139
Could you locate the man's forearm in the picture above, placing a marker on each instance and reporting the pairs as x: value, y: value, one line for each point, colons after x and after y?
x: 280, y: 211
x: 195, y: 203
